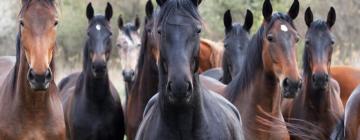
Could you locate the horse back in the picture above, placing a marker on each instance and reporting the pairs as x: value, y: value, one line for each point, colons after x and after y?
x: 348, y: 79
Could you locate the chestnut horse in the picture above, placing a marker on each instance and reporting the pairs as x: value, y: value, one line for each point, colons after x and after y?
x: 146, y: 80
x: 29, y: 105
x: 210, y: 54
x: 269, y: 74
x: 183, y: 109
x: 92, y: 106
x: 319, y: 101
x: 348, y: 78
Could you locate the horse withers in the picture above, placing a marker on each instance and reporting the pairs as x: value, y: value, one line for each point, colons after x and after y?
x: 183, y: 109
x: 29, y: 105
x: 91, y: 104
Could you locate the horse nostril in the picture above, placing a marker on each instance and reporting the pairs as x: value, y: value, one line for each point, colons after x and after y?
x: 300, y: 83
x: 169, y: 87
x: 286, y: 82
x: 327, y: 78
x: 48, y: 75
x: 31, y: 75
x: 189, y: 87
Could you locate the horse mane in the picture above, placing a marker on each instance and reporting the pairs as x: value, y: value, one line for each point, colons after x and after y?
x: 253, y: 62
x: 316, y: 25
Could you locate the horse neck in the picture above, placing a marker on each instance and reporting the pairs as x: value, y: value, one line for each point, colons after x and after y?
x: 147, y: 81
x: 95, y: 90
x: 318, y: 101
x: 28, y: 101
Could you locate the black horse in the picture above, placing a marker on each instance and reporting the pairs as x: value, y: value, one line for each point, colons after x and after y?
x: 183, y: 109
x: 236, y: 42
x: 91, y: 104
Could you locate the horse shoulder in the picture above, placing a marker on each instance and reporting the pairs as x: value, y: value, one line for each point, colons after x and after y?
x: 352, y: 114
x: 228, y: 113
x: 150, y: 119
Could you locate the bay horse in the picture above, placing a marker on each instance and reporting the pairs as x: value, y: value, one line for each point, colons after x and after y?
x: 236, y: 41
x: 348, y: 127
x: 319, y: 100
x: 29, y: 105
x: 146, y: 79
x: 91, y: 104
x: 269, y: 74
x: 348, y: 78
x: 128, y: 43
x: 183, y: 109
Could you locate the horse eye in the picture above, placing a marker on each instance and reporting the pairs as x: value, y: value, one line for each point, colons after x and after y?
x: 307, y: 42
x: 56, y: 23
x: 270, y: 38
x: 159, y: 31
x: 22, y: 23
x: 198, y: 31
x: 332, y: 42
x: 297, y: 39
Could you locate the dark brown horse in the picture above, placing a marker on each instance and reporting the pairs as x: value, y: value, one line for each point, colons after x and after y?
x: 348, y: 128
x: 183, y: 109
x: 146, y: 80
x: 29, y: 105
x: 235, y: 42
x: 319, y: 101
x: 92, y: 106
x: 269, y: 74
x: 348, y: 78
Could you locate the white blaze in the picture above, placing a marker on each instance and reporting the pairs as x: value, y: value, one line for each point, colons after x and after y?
x: 98, y: 27
x: 283, y: 28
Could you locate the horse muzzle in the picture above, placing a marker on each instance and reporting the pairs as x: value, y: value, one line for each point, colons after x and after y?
x: 39, y: 82
x: 290, y: 88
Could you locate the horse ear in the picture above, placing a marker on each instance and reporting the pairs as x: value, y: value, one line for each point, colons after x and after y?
x: 149, y: 8
x: 108, y: 11
x: 227, y: 21
x: 137, y: 22
x: 160, y: 2
x: 196, y: 2
x: 120, y: 22
x: 331, y: 17
x: 248, y: 20
x: 267, y: 10
x: 294, y: 10
x: 308, y: 17
x: 89, y: 11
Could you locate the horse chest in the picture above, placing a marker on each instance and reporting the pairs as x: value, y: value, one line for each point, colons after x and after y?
x: 96, y: 125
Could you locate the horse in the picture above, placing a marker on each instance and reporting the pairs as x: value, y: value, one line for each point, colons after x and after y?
x: 270, y: 74
x: 29, y: 105
x: 146, y: 80
x: 128, y: 43
x: 348, y: 78
x: 236, y: 41
x: 319, y: 100
x: 211, y: 54
x: 183, y: 109
x: 348, y: 127
x: 92, y: 107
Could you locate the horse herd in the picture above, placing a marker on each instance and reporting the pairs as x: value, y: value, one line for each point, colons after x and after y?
x: 181, y: 86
